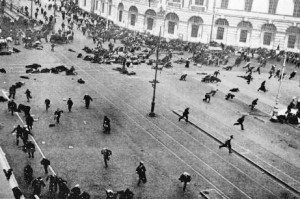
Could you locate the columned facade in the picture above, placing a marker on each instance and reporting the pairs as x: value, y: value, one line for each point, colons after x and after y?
x: 243, y: 23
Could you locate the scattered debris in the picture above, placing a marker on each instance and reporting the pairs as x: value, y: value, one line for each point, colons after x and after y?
x: 24, y: 77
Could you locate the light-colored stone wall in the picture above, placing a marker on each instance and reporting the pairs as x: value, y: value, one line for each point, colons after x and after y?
x: 234, y: 14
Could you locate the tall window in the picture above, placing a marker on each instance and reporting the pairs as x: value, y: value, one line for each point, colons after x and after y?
x: 102, y: 7
x: 291, y: 41
x: 273, y: 6
x: 224, y: 4
x: 150, y: 22
x: 267, y: 38
x: 84, y: 3
x: 199, y: 2
x: 296, y: 8
x: 195, y: 29
x: 120, y: 15
x: 243, y: 36
x: 96, y: 7
x: 109, y: 10
x: 171, y: 27
x: 220, y: 33
x: 248, y: 5
x: 132, y: 19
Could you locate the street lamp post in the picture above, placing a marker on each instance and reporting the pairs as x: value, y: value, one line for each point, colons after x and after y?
x: 212, y: 21
x: 152, y: 114
x: 106, y: 27
x: 54, y: 16
x: 275, y: 109
x: 31, y: 6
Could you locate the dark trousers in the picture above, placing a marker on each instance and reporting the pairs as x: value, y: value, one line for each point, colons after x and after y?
x: 207, y: 98
x: 105, y: 162
x: 184, y: 185
x: 69, y: 108
x: 12, y: 95
x: 184, y: 116
x: 242, y: 126
x: 46, y: 169
x: 225, y: 145
x: 47, y: 107
x: 87, y: 104
x: 57, y: 119
x: 142, y: 178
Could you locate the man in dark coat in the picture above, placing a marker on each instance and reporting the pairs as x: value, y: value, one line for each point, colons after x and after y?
x: 46, y: 163
x: 47, y: 103
x: 30, y: 147
x: 53, y: 180
x: 12, y: 106
x: 29, y: 122
x: 240, y: 121
x: 28, y: 173
x: 141, y: 171
x: 106, y: 155
x: 262, y: 87
x: 253, y: 104
x: 57, y: 115
x: 87, y: 100
x: 185, y: 115
x: 106, y: 124
x: 19, y: 132
x: 28, y: 94
x: 37, y: 185
x: 185, y: 178
x: 12, y: 91
x: 70, y: 104
x: 227, y: 144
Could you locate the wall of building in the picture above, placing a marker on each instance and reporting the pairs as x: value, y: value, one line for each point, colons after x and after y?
x: 234, y: 14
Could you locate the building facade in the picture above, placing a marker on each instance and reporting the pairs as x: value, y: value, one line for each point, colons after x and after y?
x: 244, y: 23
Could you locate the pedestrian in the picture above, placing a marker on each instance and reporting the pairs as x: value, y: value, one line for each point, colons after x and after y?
x: 30, y: 147
x: 141, y: 171
x: 185, y: 115
x: 46, y: 163
x: 187, y: 62
x: 183, y: 77
x: 293, y: 74
x: 277, y: 74
x: 185, y: 178
x: 229, y: 96
x: 12, y: 91
x: 19, y: 132
x: 63, y: 188
x: 28, y: 94
x: 227, y: 144
x: 240, y: 121
x: 53, y: 183
x: 258, y: 69
x: 47, y: 103
x: 52, y: 47
x: 70, y: 104
x: 128, y: 194
x: 216, y: 73
x: 87, y: 100
x: 74, y: 192
x: 12, y: 106
x: 206, y: 98
x: 37, y: 185
x: 25, y: 136
x: 106, y: 124
x: 29, y: 122
x: 106, y: 155
x: 262, y: 87
x: 28, y: 174
x: 253, y: 104
x: 57, y: 115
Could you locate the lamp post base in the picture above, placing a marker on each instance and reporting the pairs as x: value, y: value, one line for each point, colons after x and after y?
x: 152, y: 114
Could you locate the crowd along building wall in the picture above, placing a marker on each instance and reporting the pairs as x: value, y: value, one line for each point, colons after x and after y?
x: 243, y: 23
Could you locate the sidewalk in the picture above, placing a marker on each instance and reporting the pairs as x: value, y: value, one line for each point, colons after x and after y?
x: 6, y: 186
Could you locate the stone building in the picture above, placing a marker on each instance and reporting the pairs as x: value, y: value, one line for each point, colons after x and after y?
x: 244, y: 23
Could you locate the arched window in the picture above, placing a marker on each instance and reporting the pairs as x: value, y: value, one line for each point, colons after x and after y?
x: 268, y: 31
x: 292, y: 36
x: 133, y: 13
x: 221, y: 25
x: 195, y: 22
x: 172, y: 20
x: 245, y: 28
x: 150, y: 16
x: 120, y: 10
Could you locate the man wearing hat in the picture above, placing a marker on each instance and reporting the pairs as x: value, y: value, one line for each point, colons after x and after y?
x: 185, y: 178
x: 141, y: 171
x: 45, y: 162
x: 227, y: 144
x: 47, y: 103
x: 57, y: 115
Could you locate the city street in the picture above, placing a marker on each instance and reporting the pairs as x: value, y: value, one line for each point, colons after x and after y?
x: 166, y: 146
